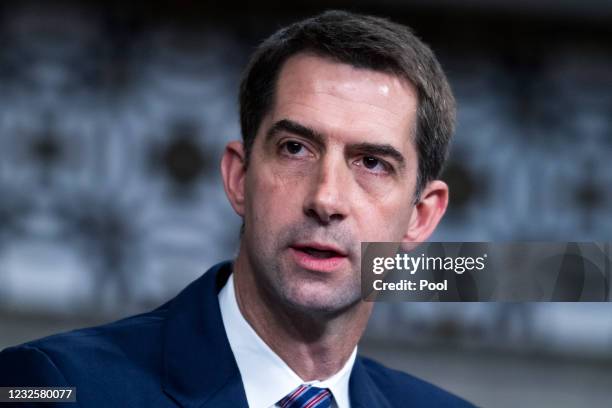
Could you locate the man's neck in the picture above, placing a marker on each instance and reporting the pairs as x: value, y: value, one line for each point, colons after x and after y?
x: 314, y: 346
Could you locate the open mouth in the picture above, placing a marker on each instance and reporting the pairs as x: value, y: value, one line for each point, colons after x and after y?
x: 319, y: 257
x: 318, y: 253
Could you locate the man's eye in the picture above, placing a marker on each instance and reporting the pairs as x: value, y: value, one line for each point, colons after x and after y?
x: 294, y: 148
x: 370, y: 162
x: 373, y: 164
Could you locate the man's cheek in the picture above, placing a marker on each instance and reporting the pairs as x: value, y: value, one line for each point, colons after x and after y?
x: 384, y: 225
x: 278, y: 179
x: 292, y: 177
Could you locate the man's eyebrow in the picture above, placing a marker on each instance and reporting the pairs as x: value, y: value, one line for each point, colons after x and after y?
x: 385, y: 150
x: 290, y: 126
x: 366, y: 148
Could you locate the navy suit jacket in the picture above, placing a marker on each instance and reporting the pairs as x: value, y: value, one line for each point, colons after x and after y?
x: 179, y: 355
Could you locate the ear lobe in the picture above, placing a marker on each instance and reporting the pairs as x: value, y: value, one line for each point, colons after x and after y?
x: 233, y: 172
x: 427, y: 212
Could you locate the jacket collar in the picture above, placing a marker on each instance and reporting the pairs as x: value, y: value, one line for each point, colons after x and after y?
x: 364, y: 393
x: 199, y: 367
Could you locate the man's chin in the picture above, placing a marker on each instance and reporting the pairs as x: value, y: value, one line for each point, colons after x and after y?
x: 316, y: 301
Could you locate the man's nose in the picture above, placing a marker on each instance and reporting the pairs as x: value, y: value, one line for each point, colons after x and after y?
x: 328, y: 198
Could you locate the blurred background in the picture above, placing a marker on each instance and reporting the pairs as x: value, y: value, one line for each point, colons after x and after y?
x: 113, y: 118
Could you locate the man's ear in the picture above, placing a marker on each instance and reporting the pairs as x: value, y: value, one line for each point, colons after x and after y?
x: 427, y: 212
x: 233, y: 171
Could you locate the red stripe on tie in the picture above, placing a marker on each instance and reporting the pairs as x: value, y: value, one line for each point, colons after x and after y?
x: 314, y: 402
x: 294, y: 395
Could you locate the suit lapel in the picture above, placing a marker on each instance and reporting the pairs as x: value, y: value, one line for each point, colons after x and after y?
x: 363, y: 392
x: 199, y: 366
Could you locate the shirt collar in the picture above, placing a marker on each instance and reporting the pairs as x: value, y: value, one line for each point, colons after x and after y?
x: 263, y: 390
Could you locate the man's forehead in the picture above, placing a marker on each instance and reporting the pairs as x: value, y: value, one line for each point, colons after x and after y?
x: 331, y: 95
x: 315, y: 73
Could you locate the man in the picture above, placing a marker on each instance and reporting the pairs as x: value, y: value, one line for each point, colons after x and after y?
x: 345, y: 124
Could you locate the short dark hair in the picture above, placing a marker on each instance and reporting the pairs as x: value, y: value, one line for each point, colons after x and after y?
x: 364, y: 42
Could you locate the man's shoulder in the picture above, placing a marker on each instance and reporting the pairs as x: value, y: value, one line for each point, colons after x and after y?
x: 126, y: 333
x: 126, y: 344
x: 399, y: 387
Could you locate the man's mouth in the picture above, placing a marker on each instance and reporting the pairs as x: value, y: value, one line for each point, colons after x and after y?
x: 319, y: 250
x: 318, y: 257
x: 318, y: 253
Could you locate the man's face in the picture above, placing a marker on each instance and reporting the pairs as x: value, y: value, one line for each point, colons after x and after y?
x: 333, y: 164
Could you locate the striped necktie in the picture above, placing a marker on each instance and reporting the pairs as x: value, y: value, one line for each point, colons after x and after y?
x: 307, y: 396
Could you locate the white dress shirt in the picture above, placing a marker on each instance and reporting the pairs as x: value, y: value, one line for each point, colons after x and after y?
x: 266, y: 377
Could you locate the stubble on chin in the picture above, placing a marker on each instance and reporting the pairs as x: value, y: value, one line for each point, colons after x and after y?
x: 302, y: 291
